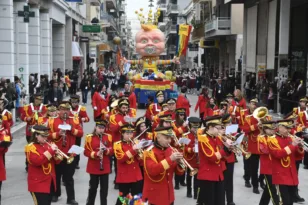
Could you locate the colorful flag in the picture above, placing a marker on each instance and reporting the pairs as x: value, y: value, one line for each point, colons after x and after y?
x: 183, y: 35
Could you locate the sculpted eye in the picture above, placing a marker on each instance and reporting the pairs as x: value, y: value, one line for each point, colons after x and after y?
x: 144, y: 41
x: 156, y: 41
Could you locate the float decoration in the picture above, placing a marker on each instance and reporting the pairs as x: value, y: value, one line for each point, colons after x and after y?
x: 130, y: 200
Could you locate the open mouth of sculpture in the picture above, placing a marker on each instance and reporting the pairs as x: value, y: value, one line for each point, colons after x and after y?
x: 150, y: 50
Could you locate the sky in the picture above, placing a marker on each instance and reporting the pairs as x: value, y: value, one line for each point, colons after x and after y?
x: 132, y: 6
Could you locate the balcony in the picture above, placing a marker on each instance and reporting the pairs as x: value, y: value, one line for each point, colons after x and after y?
x: 172, y: 9
x: 170, y: 28
x: 171, y: 49
x: 122, y: 21
x: 198, y: 32
x: 220, y: 26
x: 163, y: 7
x: 95, y: 2
x: 201, y: 1
x: 111, y: 4
x: 162, y: 25
x: 121, y: 9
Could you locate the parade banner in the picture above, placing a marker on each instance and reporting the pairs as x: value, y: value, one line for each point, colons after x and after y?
x: 183, y: 35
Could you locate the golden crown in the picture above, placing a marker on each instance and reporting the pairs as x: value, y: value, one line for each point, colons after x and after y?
x: 151, y: 19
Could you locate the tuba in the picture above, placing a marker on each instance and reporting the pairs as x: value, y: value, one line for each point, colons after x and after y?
x: 260, y: 113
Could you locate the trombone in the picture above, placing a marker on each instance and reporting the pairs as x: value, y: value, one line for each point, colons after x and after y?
x: 62, y: 154
x: 238, y: 150
x: 184, y: 164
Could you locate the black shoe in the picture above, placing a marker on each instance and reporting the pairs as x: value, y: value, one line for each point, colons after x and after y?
x: 298, y: 199
x: 116, y: 186
x: 231, y: 203
x: 306, y: 167
x: 256, y: 191
x: 77, y: 167
x: 195, y: 196
x: 189, y: 195
x: 63, y: 183
x: 262, y: 185
x: 183, y: 184
x: 247, y: 184
x: 177, y: 187
x: 54, y: 199
x: 72, y: 202
x: 26, y: 169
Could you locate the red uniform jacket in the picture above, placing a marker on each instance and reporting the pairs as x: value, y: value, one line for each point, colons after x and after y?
x: 41, y: 169
x: 128, y: 163
x: 152, y: 110
x: 30, y: 111
x: 237, y: 107
x: 201, y: 104
x: 7, y: 120
x: 252, y: 131
x: 76, y: 131
x: 211, y: 153
x: 302, y: 115
x: 132, y: 100
x: 116, y: 121
x: 179, y: 130
x: 99, y: 102
x: 283, y: 160
x: 189, y: 154
x: 80, y: 112
x: 3, y: 150
x: 92, y: 146
x: 265, y: 158
x: 106, y: 113
x: 183, y: 102
x: 210, y: 111
x: 158, y: 176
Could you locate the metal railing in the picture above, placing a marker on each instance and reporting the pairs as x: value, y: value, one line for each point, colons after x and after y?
x: 172, y: 8
x: 170, y: 27
x: 220, y: 23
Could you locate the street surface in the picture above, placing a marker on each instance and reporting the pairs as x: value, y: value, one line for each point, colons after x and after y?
x: 15, y: 192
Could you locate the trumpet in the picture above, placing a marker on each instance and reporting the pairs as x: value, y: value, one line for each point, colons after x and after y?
x: 62, y: 154
x: 184, y: 164
x: 302, y: 144
x: 238, y: 150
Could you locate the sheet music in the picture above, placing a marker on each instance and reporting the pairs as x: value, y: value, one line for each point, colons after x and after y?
x: 76, y: 150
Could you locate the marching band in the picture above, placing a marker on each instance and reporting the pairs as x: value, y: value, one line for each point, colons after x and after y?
x: 163, y: 145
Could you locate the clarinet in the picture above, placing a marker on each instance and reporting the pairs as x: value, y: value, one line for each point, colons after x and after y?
x: 64, y: 138
x: 101, y: 147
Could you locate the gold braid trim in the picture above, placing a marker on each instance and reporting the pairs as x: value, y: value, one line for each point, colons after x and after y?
x: 261, y: 139
x: 34, y: 198
x: 112, y: 119
x: 151, y: 155
x: 205, y: 141
x: 31, y: 148
x: 274, y: 145
x: 119, y: 153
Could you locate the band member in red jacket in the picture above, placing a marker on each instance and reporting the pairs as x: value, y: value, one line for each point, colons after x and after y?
x: 30, y: 114
x: 191, y: 155
x: 155, y: 108
x: 210, y: 175
x: 283, y: 149
x: 80, y: 112
x: 211, y: 107
x: 52, y: 112
x: 203, y: 99
x: 182, y: 101
x: 239, y: 104
x: 41, y: 173
x: 100, y: 100
x: 5, y: 142
x: 129, y: 175
x: 6, y: 116
x: 141, y: 129
x: 160, y: 163
x: 98, y: 149
x: 130, y: 95
x: 268, y: 129
x: 63, y: 131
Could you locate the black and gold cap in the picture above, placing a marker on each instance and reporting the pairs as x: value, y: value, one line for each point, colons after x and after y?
x: 216, y: 120
x: 194, y: 122
x: 226, y: 119
x: 291, y: 115
x: 65, y: 105
x: 166, y: 118
x: 180, y: 111
x: 171, y: 101
x: 289, y: 123
x: 38, y: 96
x: 159, y: 93
x: 303, y: 99
x: 123, y: 101
x: 269, y: 125
x: 127, y: 128
x: 164, y: 105
x: 254, y: 100
x: 229, y: 95
x: 139, y: 121
x: 40, y: 129
x: 75, y: 98
x: 168, y: 131
x: 223, y: 102
x: 51, y: 107
x: 101, y: 122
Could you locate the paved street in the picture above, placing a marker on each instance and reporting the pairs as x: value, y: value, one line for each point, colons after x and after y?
x: 14, y: 189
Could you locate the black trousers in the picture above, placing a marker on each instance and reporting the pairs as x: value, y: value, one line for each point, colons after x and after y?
x: 253, y: 168
x: 0, y: 190
x: 270, y: 192
x: 78, y: 143
x: 132, y: 188
x: 189, y: 180
x: 103, y: 181
x: 42, y: 198
x: 211, y: 193
x: 66, y: 171
x: 228, y: 180
x: 287, y: 194
x: 247, y: 176
x: 179, y: 179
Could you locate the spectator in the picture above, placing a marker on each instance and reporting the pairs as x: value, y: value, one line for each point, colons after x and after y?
x: 55, y: 94
x: 219, y: 91
x: 85, y: 87
x: 18, y: 95
x: 203, y: 100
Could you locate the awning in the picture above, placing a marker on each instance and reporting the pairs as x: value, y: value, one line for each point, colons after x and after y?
x: 104, y: 48
x: 76, y: 51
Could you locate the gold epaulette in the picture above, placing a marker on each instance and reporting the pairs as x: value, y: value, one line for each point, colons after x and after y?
x: 112, y: 119
x: 295, y: 110
x: 109, y: 137
x: 149, y: 153
x: 150, y: 135
x: 273, y: 143
x: 89, y: 138
x: 83, y: 108
x: 6, y: 138
x: 31, y: 148
x: 118, y: 152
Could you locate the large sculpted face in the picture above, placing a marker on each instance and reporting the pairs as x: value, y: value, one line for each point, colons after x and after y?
x: 150, y: 43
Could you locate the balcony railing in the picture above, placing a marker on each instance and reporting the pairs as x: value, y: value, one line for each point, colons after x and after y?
x: 172, y: 9
x: 220, y: 23
x: 201, y: 1
x: 170, y: 28
x: 111, y: 4
x: 162, y: 6
x: 122, y: 9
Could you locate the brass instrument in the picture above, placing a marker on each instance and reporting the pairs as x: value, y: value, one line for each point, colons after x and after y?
x: 238, y: 150
x: 260, y: 113
x: 136, y: 138
x: 303, y: 144
x: 62, y: 154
